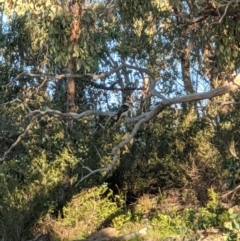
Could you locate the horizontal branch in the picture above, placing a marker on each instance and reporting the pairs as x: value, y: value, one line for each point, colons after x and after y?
x: 72, y: 115
x: 230, y: 87
x: 56, y: 114
x: 139, y: 120
x: 104, y: 87
x: 226, y: 102
x: 92, y: 76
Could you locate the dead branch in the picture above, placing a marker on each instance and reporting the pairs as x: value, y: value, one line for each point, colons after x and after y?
x: 20, y: 137
x: 230, y: 192
x: 139, y: 120
x: 225, y: 10
x: 167, y: 102
x: 91, y: 172
x: 71, y: 115
x: 92, y: 76
x: 56, y: 114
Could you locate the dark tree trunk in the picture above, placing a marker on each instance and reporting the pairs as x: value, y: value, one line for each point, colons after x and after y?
x: 75, y: 8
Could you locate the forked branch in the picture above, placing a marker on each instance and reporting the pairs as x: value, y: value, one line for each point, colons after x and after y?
x: 138, y: 120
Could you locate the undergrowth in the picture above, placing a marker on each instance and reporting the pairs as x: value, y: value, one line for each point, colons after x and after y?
x: 97, y: 207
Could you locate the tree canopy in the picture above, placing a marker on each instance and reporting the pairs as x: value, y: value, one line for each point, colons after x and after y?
x: 66, y: 68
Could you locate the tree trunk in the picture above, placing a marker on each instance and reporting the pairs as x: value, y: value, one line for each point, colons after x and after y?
x: 71, y: 88
x: 186, y: 68
x: 75, y: 8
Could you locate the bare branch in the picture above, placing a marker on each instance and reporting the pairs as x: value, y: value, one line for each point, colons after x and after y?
x: 225, y: 11
x: 222, y: 103
x: 230, y: 87
x: 158, y: 94
x: 126, y: 141
x: 139, y: 120
x: 54, y: 113
x: 232, y: 150
x: 20, y: 137
x: 10, y: 102
x: 43, y: 83
x: 230, y: 192
x: 91, y: 172
x: 167, y: 102
x: 75, y: 116
x: 93, y: 76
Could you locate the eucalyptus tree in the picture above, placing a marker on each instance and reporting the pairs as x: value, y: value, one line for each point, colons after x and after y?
x: 76, y: 61
x: 157, y: 53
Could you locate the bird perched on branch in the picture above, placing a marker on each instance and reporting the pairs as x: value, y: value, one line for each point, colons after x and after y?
x: 123, y: 111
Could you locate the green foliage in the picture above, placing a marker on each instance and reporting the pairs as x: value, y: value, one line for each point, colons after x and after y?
x: 170, y: 225
x: 227, y: 54
x: 184, y: 147
x: 183, y: 223
x: 170, y: 152
x: 232, y: 225
x: 91, y: 209
x: 30, y: 188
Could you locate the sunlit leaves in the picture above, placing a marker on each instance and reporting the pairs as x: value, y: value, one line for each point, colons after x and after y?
x: 50, y: 27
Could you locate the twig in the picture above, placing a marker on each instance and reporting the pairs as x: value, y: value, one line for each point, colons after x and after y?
x: 43, y: 83
x: 12, y: 101
x: 91, y: 172
x: 97, y: 152
x: 225, y: 11
x: 230, y: 192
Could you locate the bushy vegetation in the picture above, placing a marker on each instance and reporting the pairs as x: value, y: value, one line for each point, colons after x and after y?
x: 38, y: 180
x: 67, y: 169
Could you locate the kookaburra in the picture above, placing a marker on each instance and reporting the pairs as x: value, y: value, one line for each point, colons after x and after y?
x: 124, y: 109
